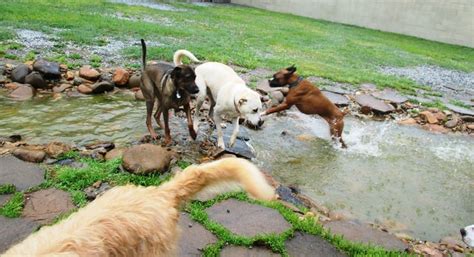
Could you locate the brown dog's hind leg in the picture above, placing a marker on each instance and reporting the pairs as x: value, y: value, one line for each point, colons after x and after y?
x: 149, y: 112
x: 336, y: 127
x: 157, y: 115
x: 167, y: 127
x: 192, y: 132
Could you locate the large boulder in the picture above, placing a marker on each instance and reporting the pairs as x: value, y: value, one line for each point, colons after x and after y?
x: 22, y: 92
x: 19, y: 73
x: 101, y: 87
x: 146, y: 158
x: 29, y: 155
x: 55, y: 149
x: 121, y: 77
x: 134, y: 81
x: 36, y: 80
x: 89, y: 73
x: 50, y: 70
x: 84, y: 89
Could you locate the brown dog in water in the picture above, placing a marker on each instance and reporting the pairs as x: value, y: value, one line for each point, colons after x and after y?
x: 172, y: 86
x: 308, y: 99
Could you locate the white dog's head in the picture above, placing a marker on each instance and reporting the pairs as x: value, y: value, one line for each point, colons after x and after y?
x: 249, y: 105
x: 467, y: 234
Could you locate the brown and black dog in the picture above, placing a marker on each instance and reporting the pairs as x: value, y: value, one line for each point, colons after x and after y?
x: 172, y: 86
x: 308, y: 99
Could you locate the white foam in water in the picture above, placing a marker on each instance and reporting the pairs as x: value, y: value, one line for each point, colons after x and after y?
x: 454, y: 151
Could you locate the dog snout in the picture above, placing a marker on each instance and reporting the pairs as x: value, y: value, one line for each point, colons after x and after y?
x: 260, y: 122
x: 463, y: 232
x: 194, y: 90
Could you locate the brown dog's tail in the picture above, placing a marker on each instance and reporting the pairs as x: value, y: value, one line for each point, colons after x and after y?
x: 205, y: 181
x: 143, y: 54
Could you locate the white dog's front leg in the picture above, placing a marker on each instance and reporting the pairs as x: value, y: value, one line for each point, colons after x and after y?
x: 220, y: 136
x: 196, y: 114
x: 235, y: 132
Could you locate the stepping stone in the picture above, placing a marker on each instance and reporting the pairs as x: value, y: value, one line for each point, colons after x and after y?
x: 337, y: 90
x: 44, y: 205
x: 303, y: 245
x: 146, y: 158
x: 287, y: 195
x: 390, y: 95
x: 19, y: 173
x: 13, y: 231
x: 460, y: 110
x: 240, y: 251
x: 374, y: 104
x: 336, y: 99
x: 363, y: 233
x: 241, y: 148
x: 247, y: 219
x: 194, y: 237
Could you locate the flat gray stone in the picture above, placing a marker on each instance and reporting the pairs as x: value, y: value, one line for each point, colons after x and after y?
x: 20, y: 173
x: 240, y: 251
x: 374, y: 104
x: 337, y: 89
x: 194, y: 237
x: 242, y: 147
x: 44, y: 205
x: 12, y: 231
x: 247, y: 219
x: 336, y: 99
x: 390, y: 95
x: 363, y: 233
x: 303, y: 245
x: 460, y: 110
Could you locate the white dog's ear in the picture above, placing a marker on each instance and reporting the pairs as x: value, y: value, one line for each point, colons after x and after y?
x: 242, y: 101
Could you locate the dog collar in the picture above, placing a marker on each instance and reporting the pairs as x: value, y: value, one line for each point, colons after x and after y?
x: 294, y: 84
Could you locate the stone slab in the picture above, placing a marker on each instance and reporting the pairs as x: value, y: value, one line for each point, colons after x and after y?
x: 240, y: 251
x: 336, y: 99
x: 20, y: 173
x: 44, y: 205
x: 194, y: 237
x: 13, y: 231
x: 373, y: 103
x: 247, y: 219
x: 303, y: 245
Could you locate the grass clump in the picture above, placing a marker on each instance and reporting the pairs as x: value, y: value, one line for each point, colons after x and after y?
x: 14, y: 207
x: 6, y: 189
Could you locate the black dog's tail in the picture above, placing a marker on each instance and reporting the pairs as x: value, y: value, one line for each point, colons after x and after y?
x: 143, y: 54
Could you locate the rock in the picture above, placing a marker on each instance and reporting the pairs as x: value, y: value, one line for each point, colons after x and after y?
x: 240, y: 251
x: 339, y: 215
x: 9, y: 139
x: 63, y: 67
x: 391, y: 96
x: 277, y: 97
x: 19, y: 173
x: 96, y: 190
x: 139, y: 96
x: 286, y: 194
x: 408, y: 121
x: 470, y: 126
x: 337, y: 89
x: 134, y: 81
x: 258, y: 219
x: 303, y: 245
x: 23, y: 92
x: 467, y: 118
x: 305, y: 137
x: 374, y: 104
x: 78, y: 80
x: 114, y: 154
x: 13, y: 231
x: 435, y: 128
x: 61, y: 88
x: 29, y: 155
x: 44, y: 205
x: 84, y: 89
x: 440, y: 116
x: 36, y: 80
x: 107, y: 145
x: 263, y: 87
x: 69, y: 75
x: 89, y: 73
x: 19, y: 73
x: 453, y: 243
x: 50, y: 70
x: 121, y: 77
x: 194, y: 237
x: 55, y: 149
x: 362, y: 233
x: 453, y: 122
x: 101, y: 87
x: 74, y: 94
x: 241, y: 148
x: 429, y: 117
x: 146, y: 158
x: 336, y: 99
x: 425, y: 250
x: 3, y: 79
x: 12, y: 86
x: 460, y: 110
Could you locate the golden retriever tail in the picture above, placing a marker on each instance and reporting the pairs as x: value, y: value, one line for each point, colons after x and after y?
x: 143, y: 54
x: 178, y: 57
x: 205, y: 181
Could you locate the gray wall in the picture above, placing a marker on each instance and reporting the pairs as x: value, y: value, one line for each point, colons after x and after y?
x: 449, y: 21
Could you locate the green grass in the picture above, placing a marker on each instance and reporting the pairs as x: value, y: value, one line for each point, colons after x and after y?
x: 14, y: 207
x: 7, y: 189
x: 459, y: 103
x: 243, y: 36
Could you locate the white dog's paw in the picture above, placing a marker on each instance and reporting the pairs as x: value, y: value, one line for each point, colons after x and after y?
x: 221, y: 145
x: 196, y: 125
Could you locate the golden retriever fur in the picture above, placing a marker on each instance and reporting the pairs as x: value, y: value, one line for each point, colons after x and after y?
x: 142, y: 221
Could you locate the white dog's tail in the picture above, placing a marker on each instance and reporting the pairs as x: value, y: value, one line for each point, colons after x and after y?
x: 205, y: 181
x: 178, y: 57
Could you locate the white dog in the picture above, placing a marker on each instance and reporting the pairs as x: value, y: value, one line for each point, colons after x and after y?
x: 228, y: 95
x: 467, y: 234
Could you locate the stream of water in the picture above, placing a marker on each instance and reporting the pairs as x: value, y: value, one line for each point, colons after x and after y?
x: 421, y: 181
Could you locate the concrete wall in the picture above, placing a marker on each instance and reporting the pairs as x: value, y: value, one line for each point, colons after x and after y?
x: 449, y: 21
